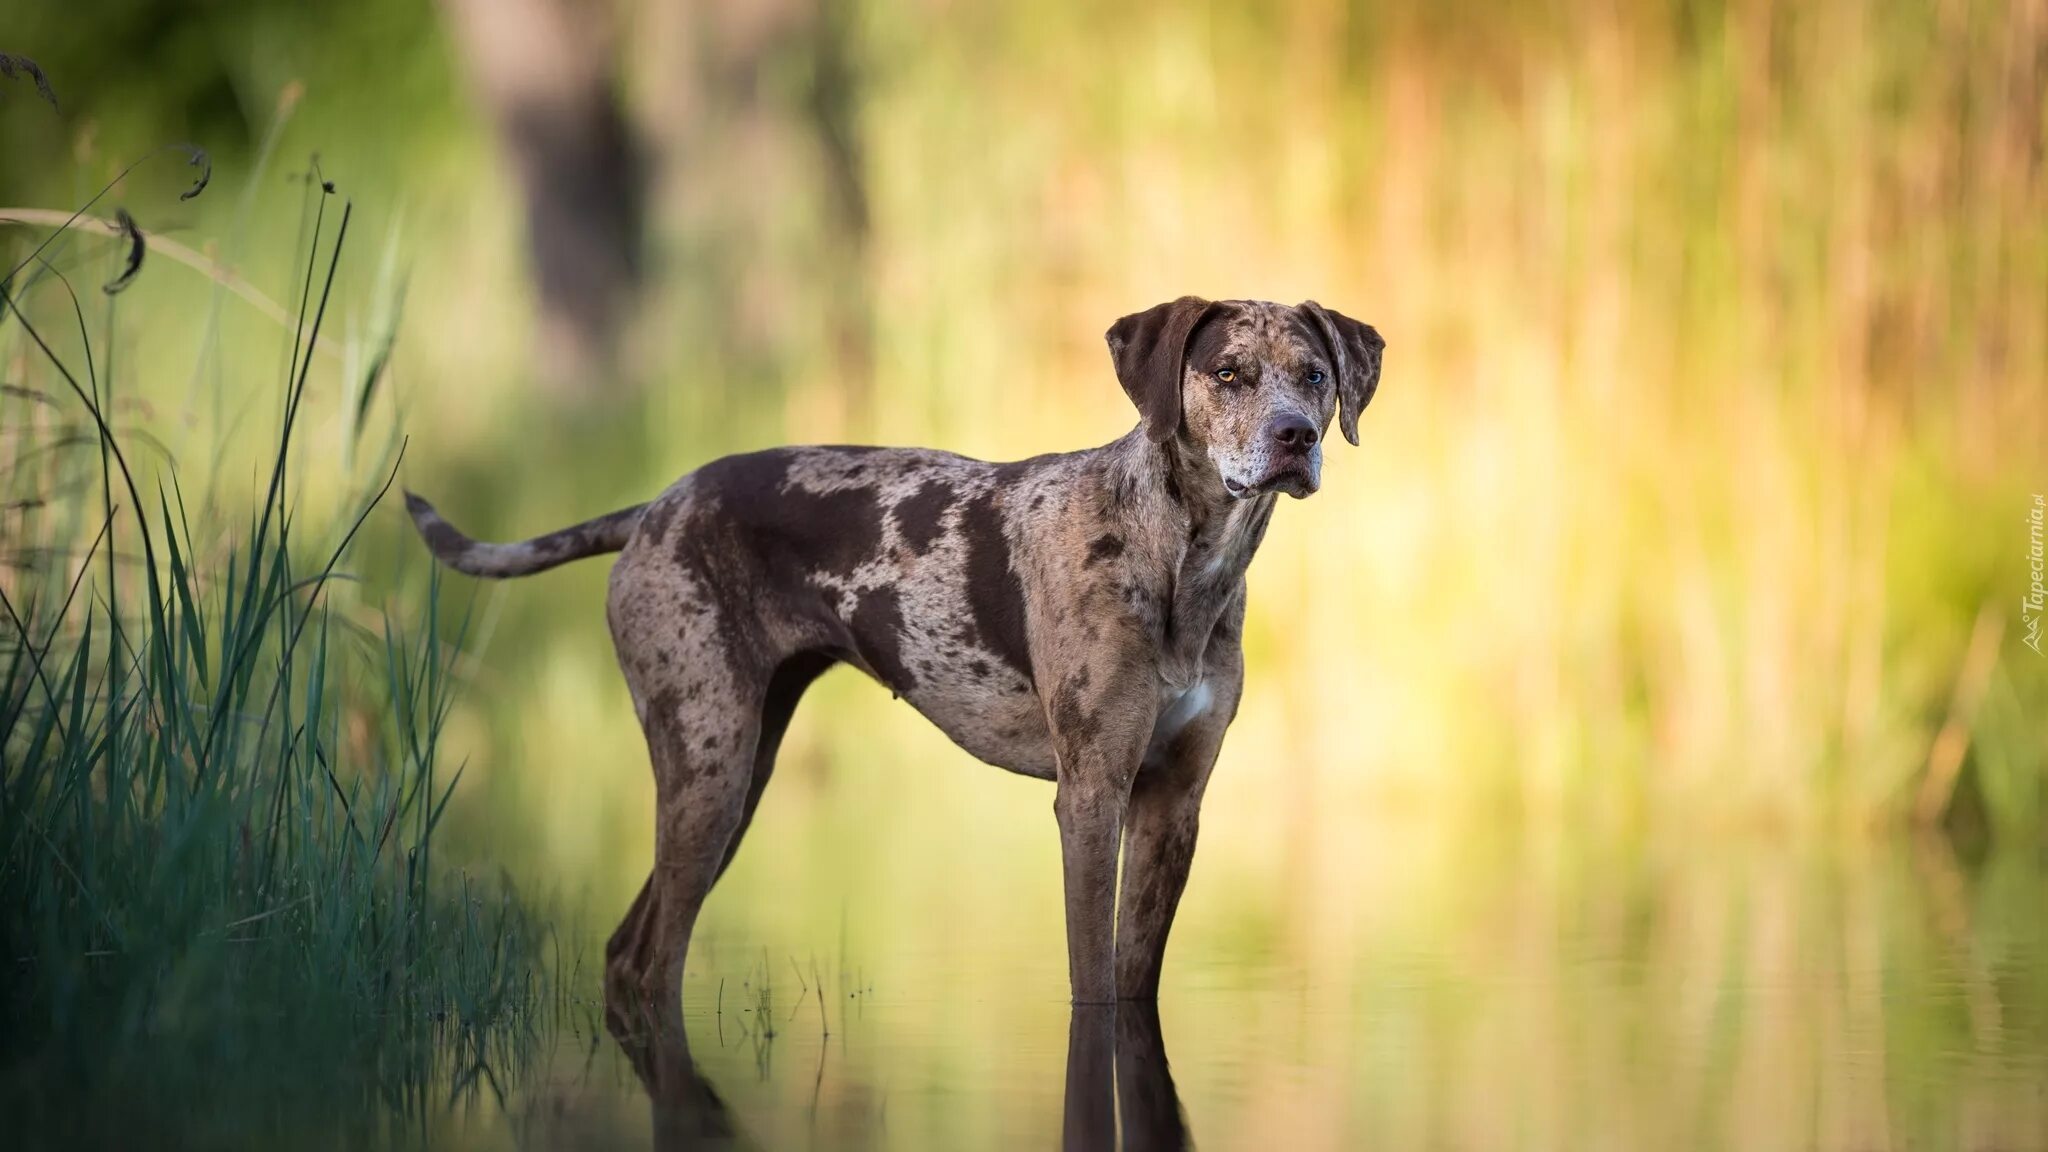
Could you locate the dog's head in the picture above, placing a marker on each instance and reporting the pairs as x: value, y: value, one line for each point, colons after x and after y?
x: 1249, y: 385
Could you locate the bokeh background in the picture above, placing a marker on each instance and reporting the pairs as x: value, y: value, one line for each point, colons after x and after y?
x: 1668, y: 620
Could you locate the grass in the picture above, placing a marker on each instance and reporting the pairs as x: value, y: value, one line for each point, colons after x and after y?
x: 220, y: 783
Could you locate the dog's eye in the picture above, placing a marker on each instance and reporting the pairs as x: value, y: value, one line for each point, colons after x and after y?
x: 1315, y: 376
x: 1226, y: 375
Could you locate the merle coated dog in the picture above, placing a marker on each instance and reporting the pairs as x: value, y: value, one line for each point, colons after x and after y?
x: 1074, y: 617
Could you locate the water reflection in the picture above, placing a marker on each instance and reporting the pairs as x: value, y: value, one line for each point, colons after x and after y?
x: 1119, y: 1044
x: 688, y: 1112
x: 1116, y: 1067
x: 1468, y: 989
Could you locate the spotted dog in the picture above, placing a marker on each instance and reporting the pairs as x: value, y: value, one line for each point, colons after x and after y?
x: 1075, y: 617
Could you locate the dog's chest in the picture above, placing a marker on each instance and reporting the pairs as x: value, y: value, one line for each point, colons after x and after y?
x: 1206, y: 583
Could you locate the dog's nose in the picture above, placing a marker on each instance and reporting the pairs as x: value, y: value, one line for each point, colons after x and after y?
x: 1294, y: 432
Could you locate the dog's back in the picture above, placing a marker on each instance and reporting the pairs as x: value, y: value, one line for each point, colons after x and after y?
x: 901, y: 562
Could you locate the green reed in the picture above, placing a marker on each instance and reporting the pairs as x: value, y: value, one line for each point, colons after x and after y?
x: 220, y: 784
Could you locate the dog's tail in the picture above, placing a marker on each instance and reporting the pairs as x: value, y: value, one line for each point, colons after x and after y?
x: 500, y: 561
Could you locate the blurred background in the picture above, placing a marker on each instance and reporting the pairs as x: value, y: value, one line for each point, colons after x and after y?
x: 1642, y: 744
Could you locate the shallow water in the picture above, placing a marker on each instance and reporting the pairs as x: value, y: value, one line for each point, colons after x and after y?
x: 874, y: 983
x: 1479, y: 991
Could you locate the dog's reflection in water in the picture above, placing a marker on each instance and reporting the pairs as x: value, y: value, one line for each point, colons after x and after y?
x: 688, y: 1113
x: 1116, y: 1062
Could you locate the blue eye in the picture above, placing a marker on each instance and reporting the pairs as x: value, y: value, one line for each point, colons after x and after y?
x: 1315, y: 376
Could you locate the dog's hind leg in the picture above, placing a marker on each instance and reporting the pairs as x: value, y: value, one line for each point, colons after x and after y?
x: 785, y: 688
x: 701, y: 688
x: 703, y: 764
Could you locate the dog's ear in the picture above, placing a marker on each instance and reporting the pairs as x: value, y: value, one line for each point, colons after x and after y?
x: 1149, y: 348
x: 1357, y: 348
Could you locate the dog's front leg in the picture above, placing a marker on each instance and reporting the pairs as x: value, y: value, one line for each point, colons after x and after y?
x: 1101, y: 718
x: 1090, y: 812
x: 1161, y: 817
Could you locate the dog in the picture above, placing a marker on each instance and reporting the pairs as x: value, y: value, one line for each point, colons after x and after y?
x: 1076, y: 617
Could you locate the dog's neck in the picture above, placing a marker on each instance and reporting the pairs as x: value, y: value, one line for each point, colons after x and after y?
x: 1223, y: 531
x: 1206, y: 536
x: 1175, y: 487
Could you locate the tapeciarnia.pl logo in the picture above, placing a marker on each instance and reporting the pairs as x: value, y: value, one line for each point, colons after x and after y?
x: 2036, y: 600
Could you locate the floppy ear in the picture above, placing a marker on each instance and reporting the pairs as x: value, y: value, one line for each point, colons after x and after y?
x: 1357, y: 349
x: 1149, y: 348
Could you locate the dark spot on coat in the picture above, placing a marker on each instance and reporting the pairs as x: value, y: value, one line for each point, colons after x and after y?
x: 919, y: 514
x: 752, y: 544
x: 1070, y: 714
x: 1105, y: 547
x: 979, y: 668
x: 877, y: 624
x: 789, y: 530
x: 995, y: 594
x: 726, y: 578
x: 664, y: 704
x: 711, y: 743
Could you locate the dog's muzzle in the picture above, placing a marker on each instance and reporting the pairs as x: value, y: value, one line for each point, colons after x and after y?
x: 1289, y: 460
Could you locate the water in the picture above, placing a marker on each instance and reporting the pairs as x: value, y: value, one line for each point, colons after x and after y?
x: 1475, y: 989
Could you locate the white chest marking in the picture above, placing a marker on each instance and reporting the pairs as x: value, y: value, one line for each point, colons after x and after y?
x: 1184, y: 710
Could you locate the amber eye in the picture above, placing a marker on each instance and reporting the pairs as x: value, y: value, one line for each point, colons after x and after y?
x: 1226, y: 375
